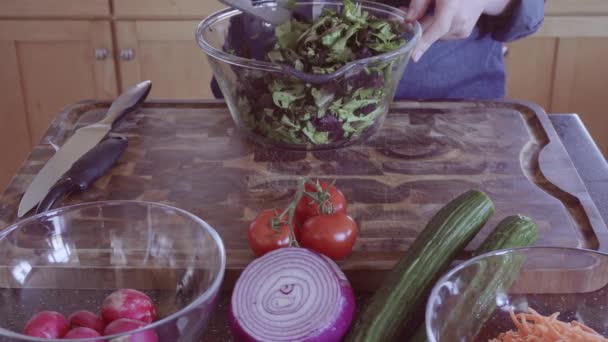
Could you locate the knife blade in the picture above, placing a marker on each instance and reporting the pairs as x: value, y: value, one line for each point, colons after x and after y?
x: 83, y: 140
x: 85, y: 171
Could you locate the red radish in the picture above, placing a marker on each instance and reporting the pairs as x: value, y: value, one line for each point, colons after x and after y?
x: 86, y: 319
x: 82, y: 332
x: 47, y: 324
x: 128, y: 303
x: 123, y: 325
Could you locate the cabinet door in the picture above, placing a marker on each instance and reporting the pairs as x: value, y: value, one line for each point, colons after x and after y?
x: 14, y: 134
x: 47, y: 65
x: 54, y: 8
x: 166, y: 53
x: 190, y: 9
x: 530, y: 63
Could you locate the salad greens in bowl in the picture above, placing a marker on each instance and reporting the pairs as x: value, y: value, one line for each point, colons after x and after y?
x: 324, y: 79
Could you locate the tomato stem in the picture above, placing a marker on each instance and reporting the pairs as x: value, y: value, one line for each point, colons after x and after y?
x: 321, y: 197
x: 292, y: 209
x: 290, y: 212
x: 276, y: 222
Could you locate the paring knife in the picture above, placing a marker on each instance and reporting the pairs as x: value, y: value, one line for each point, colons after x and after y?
x: 83, y: 140
x: 85, y: 171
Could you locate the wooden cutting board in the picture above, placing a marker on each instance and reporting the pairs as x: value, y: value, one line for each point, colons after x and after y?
x: 189, y: 155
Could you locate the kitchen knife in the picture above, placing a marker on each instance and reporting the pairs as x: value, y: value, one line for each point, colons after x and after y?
x: 85, y: 171
x: 83, y: 140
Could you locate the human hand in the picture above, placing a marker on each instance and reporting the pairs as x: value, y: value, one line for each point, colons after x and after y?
x: 453, y: 19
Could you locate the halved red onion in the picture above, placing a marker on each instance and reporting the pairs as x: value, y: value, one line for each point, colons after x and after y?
x: 292, y: 294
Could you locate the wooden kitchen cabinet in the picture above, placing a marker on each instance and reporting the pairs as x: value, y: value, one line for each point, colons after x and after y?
x: 14, y: 134
x: 166, y: 53
x: 564, y: 66
x: 194, y: 9
x: 530, y: 64
x: 54, y: 8
x: 581, y: 84
x: 46, y: 65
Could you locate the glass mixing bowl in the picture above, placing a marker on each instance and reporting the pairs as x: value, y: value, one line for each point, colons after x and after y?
x: 71, y: 258
x: 249, y: 84
x: 472, y: 302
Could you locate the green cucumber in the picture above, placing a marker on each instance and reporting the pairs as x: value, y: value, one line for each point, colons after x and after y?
x: 479, y: 299
x: 512, y: 232
x: 402, y: 297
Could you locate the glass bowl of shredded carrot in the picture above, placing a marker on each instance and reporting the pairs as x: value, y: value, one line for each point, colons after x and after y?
x: 540, y: 294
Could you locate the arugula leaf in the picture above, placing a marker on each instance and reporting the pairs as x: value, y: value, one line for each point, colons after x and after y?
x: 275, y: 56
x: 347, y: 112
x: 341, y: 55
x: 364, y: 93
x: 353, y: 13
x: 291, y: 4
x: 323, y: 71
x: 322, y: 96
x: 329, y: 37
x: 299, y: 65
x: 288, y: 33
x: 280, y: 133
x: 317, y: 138
x: 340, y: 44
x: 348, y: 128
x: 335, y: 106
x: 312, y: 33
x: 277, y: 85
x: 283, y: 99
x: 387, y: 47
x: 289, y: 123
x: 385, y: 33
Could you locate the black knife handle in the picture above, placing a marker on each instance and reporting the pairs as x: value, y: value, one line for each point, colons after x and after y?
x: 85, y: 171
x: 96, y: 162
x: 62, y: 188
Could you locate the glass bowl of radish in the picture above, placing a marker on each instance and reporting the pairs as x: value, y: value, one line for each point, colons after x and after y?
x: 109, y: 271
x: 524, y: 294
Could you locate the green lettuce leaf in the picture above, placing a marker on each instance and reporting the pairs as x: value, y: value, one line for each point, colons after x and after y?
x: 317, y: 138
x: 288, y: 33
x: 322, y: 96
x: 353, y: 12
x: 284, y: 99
x: 386, y: 46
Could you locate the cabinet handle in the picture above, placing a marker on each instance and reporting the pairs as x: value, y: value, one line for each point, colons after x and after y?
x: 101, y: 54
x: 127, y: 54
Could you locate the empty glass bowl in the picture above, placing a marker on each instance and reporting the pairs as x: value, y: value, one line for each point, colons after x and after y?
x: 71, y: 258
x: 472, y: 302
x: 236, y: 44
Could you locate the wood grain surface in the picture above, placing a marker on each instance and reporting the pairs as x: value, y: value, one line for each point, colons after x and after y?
x: 189, y: 155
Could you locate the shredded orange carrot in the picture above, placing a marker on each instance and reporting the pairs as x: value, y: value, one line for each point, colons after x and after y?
x: 533, y: 326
